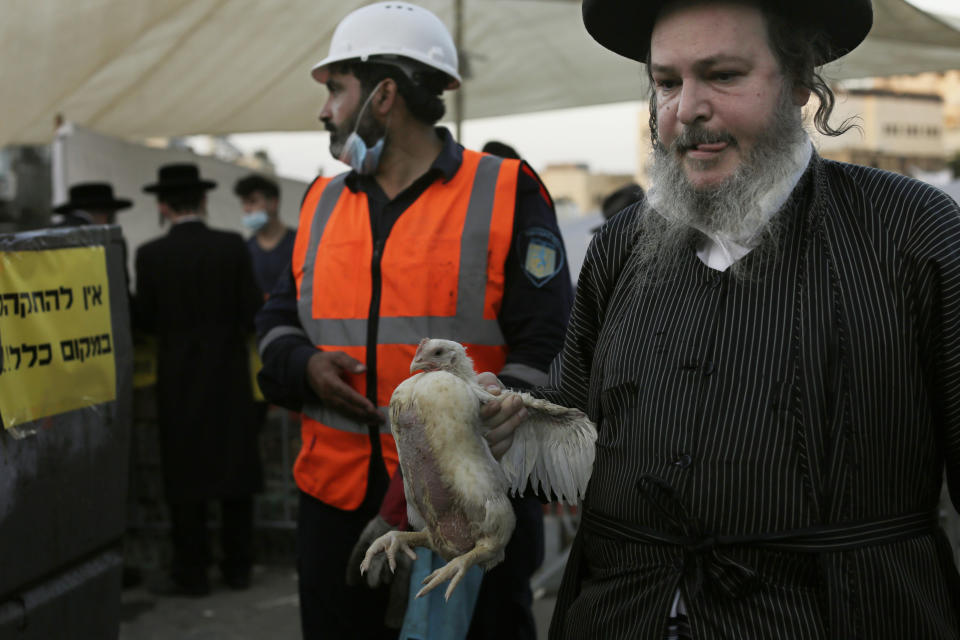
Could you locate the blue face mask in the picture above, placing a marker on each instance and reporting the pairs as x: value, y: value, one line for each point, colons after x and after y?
x: 361, y: 158
x: 255, y: 220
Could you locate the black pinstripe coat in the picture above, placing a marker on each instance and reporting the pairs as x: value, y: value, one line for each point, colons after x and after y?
x: 825, y: 391
x: 196, y: 292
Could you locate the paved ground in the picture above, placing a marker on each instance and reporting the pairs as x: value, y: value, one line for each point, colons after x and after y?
x: 268, y: 610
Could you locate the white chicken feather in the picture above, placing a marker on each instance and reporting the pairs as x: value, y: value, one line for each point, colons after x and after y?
x: 456, y: 491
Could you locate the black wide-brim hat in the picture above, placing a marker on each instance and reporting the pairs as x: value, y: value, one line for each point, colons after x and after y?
x: 625, y: 26
x: 93, y: 196
x: 179, y: 177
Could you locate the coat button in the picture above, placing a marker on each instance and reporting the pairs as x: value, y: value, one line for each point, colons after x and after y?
x: 683, y: 461
x: 709, y: 367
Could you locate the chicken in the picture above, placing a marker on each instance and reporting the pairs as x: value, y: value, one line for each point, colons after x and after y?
x: 457, y: 493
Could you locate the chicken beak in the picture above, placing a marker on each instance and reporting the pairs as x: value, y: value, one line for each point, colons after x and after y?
x: 418, y: 361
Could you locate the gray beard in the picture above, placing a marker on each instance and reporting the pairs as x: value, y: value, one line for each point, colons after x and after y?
x: 677, y: 215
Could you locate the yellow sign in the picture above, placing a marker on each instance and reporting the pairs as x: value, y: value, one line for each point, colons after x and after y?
x: 56, y: 337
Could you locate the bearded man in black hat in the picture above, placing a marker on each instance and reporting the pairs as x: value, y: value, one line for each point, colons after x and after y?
x: 196, y: 292
x: 770, y: 347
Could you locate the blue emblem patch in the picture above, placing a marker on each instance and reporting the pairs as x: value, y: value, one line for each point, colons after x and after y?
x: 544, y: 255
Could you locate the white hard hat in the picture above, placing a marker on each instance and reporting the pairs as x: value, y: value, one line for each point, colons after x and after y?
x: 388, y: 30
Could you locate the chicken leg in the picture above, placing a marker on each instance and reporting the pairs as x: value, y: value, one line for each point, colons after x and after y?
x: 488, y: 548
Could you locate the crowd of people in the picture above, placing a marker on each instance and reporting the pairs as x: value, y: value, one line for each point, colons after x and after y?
x: 764, y: 340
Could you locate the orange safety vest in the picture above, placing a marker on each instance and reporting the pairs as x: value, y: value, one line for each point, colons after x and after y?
x: 441, y: 275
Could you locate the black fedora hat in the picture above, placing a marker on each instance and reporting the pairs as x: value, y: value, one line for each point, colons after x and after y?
x: 92, y: 196
x: 177, y: 177
x: 625, y: 26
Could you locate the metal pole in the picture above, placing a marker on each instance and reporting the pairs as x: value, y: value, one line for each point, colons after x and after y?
x: 458, y: 42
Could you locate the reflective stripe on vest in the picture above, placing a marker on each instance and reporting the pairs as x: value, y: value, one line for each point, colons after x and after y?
x: 422, y: 276
x: 337, y: 420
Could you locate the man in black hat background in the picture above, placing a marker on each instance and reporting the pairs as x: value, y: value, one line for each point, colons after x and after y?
x: 90, y: 203
x: 770, y: 347
x: 196, y: 292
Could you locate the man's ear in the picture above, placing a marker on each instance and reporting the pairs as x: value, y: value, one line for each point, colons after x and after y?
x: 386, y: 97
x: 164, y: 212
x: 801, y: 95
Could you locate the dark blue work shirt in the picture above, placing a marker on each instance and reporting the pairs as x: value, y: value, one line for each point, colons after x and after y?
x: 537, y: 292
x: 269, y: 265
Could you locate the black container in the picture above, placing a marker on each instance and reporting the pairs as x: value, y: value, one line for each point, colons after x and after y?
x: 63, y: 487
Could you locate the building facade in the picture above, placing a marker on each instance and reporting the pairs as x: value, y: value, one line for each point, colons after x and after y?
x: 576, y: 190
x: 896, y: 131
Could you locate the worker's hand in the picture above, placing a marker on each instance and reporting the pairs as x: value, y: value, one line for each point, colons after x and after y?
x: 326, y: 371
x: 378, y: 574
x: 500, y: 416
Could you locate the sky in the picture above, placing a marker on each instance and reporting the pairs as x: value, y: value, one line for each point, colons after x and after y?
x: 602, y: 137
x: 949, y: 7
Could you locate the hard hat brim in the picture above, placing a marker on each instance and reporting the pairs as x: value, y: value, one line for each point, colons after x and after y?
x: 321, y: 71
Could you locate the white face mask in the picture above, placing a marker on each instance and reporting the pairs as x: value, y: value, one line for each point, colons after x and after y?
x: 361, y: 158
x: 255, y: 220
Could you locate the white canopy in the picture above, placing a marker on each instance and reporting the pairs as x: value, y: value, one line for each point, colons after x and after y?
x: 138, y: 68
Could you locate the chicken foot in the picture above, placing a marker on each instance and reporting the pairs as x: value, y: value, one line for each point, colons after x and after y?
x: 394, y: 541
x: 485, y: 550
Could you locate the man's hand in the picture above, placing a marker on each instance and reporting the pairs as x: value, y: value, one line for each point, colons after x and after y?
x: 325, y: 373
x: 379, y: 573
x: 501, y: 417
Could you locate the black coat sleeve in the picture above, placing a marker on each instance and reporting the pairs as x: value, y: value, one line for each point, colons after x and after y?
x: 144, y: 309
